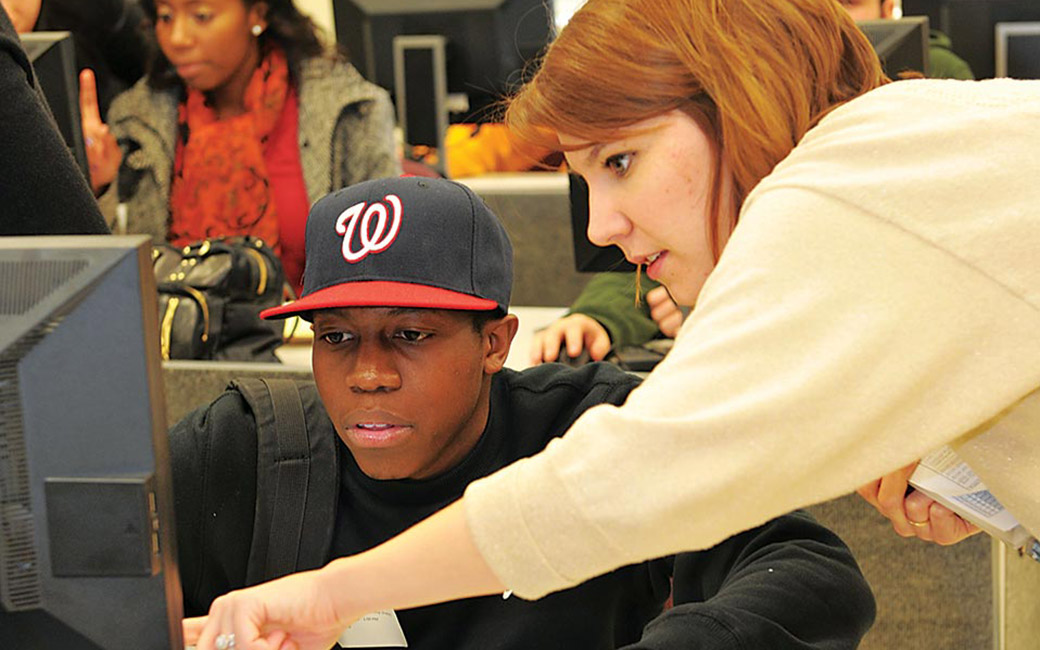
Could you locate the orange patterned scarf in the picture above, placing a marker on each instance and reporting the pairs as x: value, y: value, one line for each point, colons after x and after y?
x: 220, y: 183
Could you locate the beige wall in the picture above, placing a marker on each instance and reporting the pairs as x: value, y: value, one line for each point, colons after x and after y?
x: 321, y: 12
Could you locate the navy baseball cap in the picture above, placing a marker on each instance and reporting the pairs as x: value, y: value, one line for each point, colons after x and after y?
x: 403, y: 242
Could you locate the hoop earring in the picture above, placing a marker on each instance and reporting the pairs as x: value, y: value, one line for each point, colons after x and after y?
x: 257, y: 30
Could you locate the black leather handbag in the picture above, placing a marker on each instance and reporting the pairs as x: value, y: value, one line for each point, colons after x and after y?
x: 211, y: 294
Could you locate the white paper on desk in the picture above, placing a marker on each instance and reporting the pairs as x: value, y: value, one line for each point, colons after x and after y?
x: 947, y: 479
x: 376, y: 630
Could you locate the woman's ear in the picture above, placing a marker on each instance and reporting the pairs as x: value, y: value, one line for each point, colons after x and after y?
x: 498, y: 336
x: 258, y: 17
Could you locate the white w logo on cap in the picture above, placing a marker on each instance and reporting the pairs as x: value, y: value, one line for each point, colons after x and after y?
x: 371, y: 240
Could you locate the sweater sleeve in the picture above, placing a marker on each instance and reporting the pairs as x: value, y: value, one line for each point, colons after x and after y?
x: 828, y: 348
x: 790, y: 584
x: 610, y: 298
x: 42, y: 191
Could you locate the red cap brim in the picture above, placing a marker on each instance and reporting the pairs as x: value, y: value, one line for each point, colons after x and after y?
x: 380, y: 294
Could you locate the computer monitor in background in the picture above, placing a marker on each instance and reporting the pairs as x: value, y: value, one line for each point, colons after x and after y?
x: 588, y: 257
x: 453, y: 61
x: 53, y: 57
x: 1018, y: 50
x: 971, y: 25
x: 900, y: 43
x: 87, y: 546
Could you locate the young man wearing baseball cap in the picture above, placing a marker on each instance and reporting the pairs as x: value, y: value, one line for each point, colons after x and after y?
x: 407, y: 285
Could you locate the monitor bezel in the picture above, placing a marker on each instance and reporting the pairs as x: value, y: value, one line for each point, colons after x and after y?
x: 1002, y: 34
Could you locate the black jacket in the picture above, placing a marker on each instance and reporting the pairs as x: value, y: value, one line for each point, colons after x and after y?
x: 790, y: 584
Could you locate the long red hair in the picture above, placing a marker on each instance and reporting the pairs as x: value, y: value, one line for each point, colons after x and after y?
x: 755, y: 74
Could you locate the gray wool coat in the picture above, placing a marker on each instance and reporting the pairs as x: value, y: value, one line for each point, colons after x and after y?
x: 346, y: 135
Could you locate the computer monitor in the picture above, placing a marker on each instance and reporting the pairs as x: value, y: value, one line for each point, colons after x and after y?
x: 588, y: 257
x: 1018, y: 50
x: 900, y: 43
x: 53, y: 57
x: 971, y: 25
x: 87, y: 546
x: 454, y: 61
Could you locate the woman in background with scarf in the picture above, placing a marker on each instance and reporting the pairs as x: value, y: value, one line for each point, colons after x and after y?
x: 242, y: 122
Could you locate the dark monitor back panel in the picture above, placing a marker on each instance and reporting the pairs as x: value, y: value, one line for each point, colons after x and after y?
x: 489, y: 41
x: 87, y: 546
x: 588, y: 257
x: 53, y: 57
x: 421, y: 120
x: 971, y: 24
x: 902, y: 45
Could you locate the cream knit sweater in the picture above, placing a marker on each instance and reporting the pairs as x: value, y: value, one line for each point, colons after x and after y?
x: 880, y: 298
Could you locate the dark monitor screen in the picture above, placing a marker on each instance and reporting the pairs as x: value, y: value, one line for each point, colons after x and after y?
x: 53, y: 57
x: 1018, y: 50
x: 87, y: 546
x: 588, y: 257
x: 971, y: 25
x: 488, y: 44
x: 901, y: 44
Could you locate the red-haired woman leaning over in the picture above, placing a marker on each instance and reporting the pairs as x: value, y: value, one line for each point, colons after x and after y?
x: 862, y: 257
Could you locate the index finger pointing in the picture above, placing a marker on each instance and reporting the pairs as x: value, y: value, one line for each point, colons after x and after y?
x: 88, y: 101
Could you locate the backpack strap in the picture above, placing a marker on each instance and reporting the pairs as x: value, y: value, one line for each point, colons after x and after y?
x: 296, y: 479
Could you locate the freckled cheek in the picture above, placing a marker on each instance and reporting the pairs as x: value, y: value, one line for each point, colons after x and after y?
x: 689, y: 198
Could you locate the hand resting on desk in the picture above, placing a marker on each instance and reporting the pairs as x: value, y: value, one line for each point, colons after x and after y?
x: 573, y: 334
